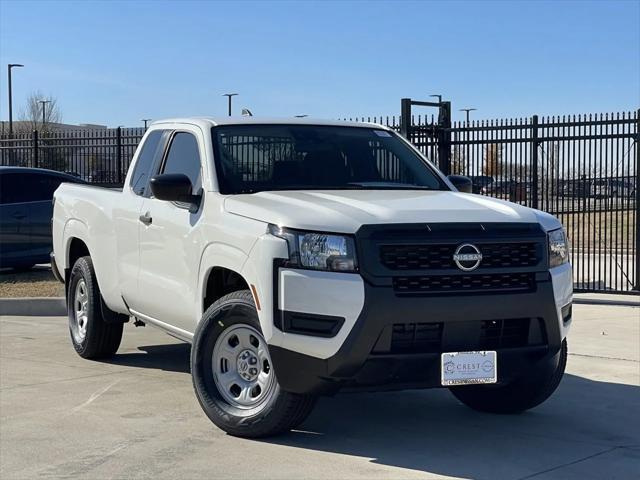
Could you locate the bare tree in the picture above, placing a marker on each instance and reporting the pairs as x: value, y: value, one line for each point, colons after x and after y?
x: 458, y: 166
x: 493, y: 166
x: 42, y: 113
x: 31, y: 116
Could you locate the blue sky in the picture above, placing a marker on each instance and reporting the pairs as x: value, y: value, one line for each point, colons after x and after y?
x: 117, y: 62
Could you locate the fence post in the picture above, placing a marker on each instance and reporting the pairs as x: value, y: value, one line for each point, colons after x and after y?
x: 119, y: 153
x: 35, y: 149
x: 637, y: 219
x: 405, y: 118
x: 444, y: 137
x: 535, y: 181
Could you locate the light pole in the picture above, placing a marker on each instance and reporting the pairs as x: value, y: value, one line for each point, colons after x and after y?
x: 44, y: 105
x: 229, y: 95
x: 439, y: 97
x: 9, y: 67
x: 467, y: 110
x: 145, y: 120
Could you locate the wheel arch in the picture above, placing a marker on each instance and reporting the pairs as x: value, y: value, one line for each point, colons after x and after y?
x: 220, y: 273
x: 77, y: 245
x: 77, y: 248
x: 76, y: 236
x: 219, y: 282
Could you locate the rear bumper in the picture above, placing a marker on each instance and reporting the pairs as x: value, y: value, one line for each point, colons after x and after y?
x: 368, y: 359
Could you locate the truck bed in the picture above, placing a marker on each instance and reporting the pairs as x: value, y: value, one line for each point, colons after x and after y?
x: 94, y: 214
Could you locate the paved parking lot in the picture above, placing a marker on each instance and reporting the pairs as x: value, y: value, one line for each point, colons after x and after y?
x: 137, y: 417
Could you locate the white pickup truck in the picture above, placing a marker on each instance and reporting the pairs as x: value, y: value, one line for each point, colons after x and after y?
x: 304, y: 257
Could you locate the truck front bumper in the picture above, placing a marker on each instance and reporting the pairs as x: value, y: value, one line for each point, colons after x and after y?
x: 396, y: 342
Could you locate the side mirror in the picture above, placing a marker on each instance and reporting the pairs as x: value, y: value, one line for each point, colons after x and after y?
x: 173, y: 187
x: 462, y: 183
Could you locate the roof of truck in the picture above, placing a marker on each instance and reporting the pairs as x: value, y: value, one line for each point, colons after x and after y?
x: 214, y: 121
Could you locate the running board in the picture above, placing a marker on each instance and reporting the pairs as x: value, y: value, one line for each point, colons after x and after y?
x: 171, y: 330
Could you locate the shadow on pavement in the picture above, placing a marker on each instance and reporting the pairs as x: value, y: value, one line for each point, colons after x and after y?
x: 172, y: 357
x: 430, y: 431
x: 586, y: 424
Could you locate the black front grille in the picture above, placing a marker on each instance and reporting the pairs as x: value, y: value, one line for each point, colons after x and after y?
x: 440, y: 256
x: 416, y: 337
x: 506, y: 255
x: 439, y: 284
x: 417, y: 257
x: 509, y: 333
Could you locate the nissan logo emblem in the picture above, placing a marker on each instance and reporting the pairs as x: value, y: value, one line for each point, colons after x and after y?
x: 467, y: 257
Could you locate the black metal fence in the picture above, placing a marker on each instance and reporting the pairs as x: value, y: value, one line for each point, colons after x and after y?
x: 583, y: 169
x: 99, y: 156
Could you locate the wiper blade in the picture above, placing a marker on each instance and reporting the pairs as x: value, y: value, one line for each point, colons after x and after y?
x: 346, y: 186
x: 389, y: 186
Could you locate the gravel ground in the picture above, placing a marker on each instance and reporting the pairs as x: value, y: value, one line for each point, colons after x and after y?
x: 37, y: 282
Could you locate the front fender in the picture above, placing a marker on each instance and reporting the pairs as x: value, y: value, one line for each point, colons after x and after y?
x: 258, y: 271
x: 217, y: 255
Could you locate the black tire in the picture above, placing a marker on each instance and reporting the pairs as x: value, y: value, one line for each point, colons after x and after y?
x: 100, y: 339
x: 521, y: 395
x: 277, y: 413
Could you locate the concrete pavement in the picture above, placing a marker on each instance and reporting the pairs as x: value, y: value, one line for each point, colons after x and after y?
x: 136, y: 417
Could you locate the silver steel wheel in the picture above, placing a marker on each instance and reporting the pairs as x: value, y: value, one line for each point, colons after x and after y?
x: 242, y: 368
x: 80, y: 314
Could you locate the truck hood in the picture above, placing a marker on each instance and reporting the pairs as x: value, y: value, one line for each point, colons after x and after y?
x: 347, y: 210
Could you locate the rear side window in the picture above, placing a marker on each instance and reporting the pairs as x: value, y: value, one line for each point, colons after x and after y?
x: 144, y: 164
x: 184, y: 157
x: 28, y: 187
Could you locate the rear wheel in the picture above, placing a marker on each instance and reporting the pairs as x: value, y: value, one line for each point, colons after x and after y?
x: 233, y: 375
x: 521, y: 395
x: 91, y: 336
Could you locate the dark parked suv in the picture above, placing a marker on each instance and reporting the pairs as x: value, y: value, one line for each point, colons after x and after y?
x: 25, y: 214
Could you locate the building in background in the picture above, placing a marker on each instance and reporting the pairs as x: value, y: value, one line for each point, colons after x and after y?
x: 21, y: 127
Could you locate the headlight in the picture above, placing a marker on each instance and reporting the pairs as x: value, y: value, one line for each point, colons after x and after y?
x: 558, y: 248
x: 318, y: 251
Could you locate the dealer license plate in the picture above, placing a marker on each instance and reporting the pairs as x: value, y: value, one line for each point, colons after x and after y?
x: 468, y: 368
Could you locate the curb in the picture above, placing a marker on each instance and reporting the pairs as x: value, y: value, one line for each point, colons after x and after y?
x: 615, y: 303
x: 30, y: 307
x: 618, y: 302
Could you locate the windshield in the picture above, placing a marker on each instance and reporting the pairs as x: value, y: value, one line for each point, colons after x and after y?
x: 254, y: 158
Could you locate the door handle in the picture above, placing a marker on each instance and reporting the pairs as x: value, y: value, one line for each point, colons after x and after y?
x: 146, y: 218
x: 18, y: 215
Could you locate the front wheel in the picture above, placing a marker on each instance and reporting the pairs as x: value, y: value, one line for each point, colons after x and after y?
x: 521, y: 395
x: 233, y: 375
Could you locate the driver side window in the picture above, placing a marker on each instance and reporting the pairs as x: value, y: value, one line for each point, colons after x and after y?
x: 144, y: 164
x: 184, y: 157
